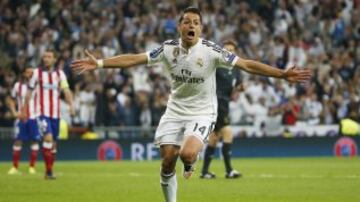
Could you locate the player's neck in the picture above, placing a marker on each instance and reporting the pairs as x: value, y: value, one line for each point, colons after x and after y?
x: 188, y: 45
x: 49, y: 68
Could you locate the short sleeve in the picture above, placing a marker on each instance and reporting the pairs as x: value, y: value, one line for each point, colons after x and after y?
x: 225, y: 59
x: 156, y: 55
x: 33, y: 80
x: 63, y: 80
x: 14, y: 90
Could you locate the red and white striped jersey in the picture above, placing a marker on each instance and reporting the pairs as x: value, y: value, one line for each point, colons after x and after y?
x: 47, y: 84
x: 19, y: 93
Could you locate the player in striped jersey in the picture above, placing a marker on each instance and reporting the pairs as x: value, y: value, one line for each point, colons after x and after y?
x: 24, y: 130
x: 47, y: 82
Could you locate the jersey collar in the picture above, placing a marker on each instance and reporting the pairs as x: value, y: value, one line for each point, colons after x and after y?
x: 191, y: 49
x: 43, y: 68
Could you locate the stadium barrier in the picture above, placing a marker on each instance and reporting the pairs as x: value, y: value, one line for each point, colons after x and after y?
x: 116, y: 143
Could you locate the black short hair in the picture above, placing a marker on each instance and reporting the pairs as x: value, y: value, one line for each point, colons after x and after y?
x: 23, y: 69
x: 190, y: 10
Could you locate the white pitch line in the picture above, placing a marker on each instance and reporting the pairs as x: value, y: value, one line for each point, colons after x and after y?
x: 306, y: 176
x: 312, y: 176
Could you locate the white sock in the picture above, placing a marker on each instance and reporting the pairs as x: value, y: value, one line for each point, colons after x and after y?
x: 169, y: 186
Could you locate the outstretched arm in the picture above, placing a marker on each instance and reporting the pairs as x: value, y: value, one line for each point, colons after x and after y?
x: 292, y: 74
x: 120, y: 61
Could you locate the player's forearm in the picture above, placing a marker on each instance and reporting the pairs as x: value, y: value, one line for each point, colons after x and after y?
x: 126, y: 60
x: 27, y: 99
x: 259, y: 68
x: 69, y: 97
x: 13, y: 108
x: 24, y: 109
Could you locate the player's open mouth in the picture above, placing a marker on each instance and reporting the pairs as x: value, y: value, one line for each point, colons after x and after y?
x: 190, y: 34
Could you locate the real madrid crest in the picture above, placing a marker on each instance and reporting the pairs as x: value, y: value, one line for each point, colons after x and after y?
x: 176, y: 51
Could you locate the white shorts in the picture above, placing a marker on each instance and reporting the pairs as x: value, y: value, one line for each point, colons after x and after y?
x: 172, y: 131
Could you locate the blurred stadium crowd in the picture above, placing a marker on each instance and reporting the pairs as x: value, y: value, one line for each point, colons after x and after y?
x: 323, y: 35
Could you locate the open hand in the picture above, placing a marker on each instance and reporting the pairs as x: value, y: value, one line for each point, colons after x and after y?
x: 87, y: 64
x: 296, y: 75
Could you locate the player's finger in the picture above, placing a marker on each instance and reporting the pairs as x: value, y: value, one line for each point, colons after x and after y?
x: 74, y: 65
x: 306, y: 71
x: 80, y: 60
x: 304, y: 74
x: 81, y: 71
x: 78, y: 69
x: 90, y: 55
x: 77, y: 63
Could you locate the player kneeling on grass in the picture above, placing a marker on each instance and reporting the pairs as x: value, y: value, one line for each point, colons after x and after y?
x: 192, y: 107
x: 24, y: 130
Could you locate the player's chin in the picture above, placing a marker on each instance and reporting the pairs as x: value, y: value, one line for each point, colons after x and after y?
x: 190, y: 39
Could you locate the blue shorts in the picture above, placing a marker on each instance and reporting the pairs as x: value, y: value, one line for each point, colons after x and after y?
x: 28, y: 130
x: 49, y: 125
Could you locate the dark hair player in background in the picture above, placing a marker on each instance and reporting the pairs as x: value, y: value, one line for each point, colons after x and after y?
x: 227, y: 80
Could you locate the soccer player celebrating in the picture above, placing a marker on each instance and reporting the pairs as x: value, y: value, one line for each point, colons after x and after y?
x: 48, y: 81
x: 227, y: 81
x: 25, y: 130
x: 192, y: 107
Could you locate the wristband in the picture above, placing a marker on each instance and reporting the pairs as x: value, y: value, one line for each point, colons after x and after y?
x: 100, y: 63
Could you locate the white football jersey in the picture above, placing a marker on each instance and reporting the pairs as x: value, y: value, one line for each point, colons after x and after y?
x: 192, y: 74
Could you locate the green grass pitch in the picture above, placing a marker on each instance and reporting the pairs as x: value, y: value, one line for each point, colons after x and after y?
x: 264, y: 179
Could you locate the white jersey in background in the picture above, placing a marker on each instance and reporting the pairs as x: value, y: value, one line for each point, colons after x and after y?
x: 47, y: 85
x: 19, y: 93
x: 192, y: 74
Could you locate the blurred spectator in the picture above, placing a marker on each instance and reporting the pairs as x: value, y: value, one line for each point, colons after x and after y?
x: 87, y: 106
x: 112, y: 109
x: 291, y: 111
x: 314, y: 108
x: 296, y: 55
x: 6, y: 118
x: 158, y: 106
